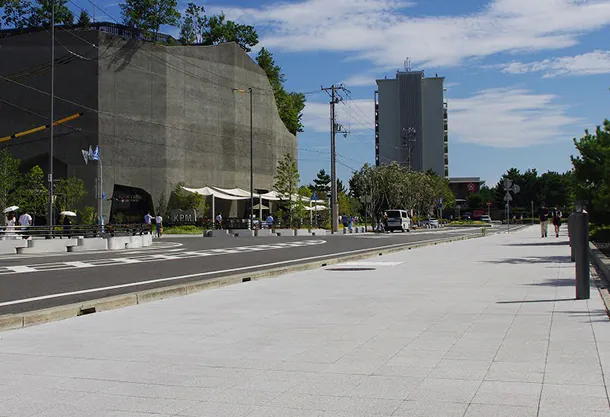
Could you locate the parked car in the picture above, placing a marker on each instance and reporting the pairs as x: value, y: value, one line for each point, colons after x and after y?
x: 398, y: 220
x: 433, y: 223
x: 485, y: 218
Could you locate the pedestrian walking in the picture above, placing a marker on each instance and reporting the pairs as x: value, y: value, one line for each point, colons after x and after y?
x: 148, y: 221
x: 543, y: 213
x: 557, y: 221
x: 385, y: 222
x: 159, y: 225
x: 270, y: 222
x: 219, y: 221
x: 10, y: 225
x: 25, y: 221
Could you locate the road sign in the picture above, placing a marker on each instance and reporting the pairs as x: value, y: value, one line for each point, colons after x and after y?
x: 314, y: 197
x: 508, y: 197
x: 507, y: 184
x: 103, y: 196
x: 515, y: 189
x: 471, y: 187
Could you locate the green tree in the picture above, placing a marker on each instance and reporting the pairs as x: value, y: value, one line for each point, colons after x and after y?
x: 87, y: 215
x: 287, y: 183
x: 340, y: 187
x: 149, y: 15
x: 218, y: 30
x: 10, y: 178
x: 70, y: 192
x: 193, y: 24
x: 321, y: 184
x: 180, y: 199
x: 289, y: 105
x: 84, y: 20
x: 592, y: 172
x: 32, y: 194
x: 475, y: 201
x: 34, y: 13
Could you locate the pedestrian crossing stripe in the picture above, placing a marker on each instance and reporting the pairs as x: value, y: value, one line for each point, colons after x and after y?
x: 156, y: 257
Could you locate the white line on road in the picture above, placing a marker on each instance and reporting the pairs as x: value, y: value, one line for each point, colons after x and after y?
x: 20, y: 269
x: 204, y: 274
x: 77, y: 264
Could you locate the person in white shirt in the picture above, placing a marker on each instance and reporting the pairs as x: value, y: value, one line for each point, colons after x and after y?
x: 219, y: 221
x: 159, y: 224
x: 25, y: 220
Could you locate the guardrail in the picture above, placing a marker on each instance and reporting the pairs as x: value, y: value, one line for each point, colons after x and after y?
x: 67, y: 231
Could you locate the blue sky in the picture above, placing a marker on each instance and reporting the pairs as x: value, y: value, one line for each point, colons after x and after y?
x: 524, y: 77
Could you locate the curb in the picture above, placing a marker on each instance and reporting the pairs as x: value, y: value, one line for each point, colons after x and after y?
x: 32, y: 318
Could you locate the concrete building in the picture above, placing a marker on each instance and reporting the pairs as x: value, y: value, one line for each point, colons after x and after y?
x: 160, y: 114
x: 411, y: 122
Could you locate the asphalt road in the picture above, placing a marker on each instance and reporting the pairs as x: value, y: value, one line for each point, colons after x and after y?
x: 34, y: 282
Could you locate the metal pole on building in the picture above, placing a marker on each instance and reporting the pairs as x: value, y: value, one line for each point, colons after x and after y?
x: 100, y: 206
x: 251, y: 164
x: 51, y: 116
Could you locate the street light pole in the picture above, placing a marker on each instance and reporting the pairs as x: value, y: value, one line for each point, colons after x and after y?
x: 51, y: 116
x: 237, y: 90
x: 252, y: 164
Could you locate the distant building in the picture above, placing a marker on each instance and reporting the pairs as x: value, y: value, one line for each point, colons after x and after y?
x: 411, y: 122
x: 462, y: 187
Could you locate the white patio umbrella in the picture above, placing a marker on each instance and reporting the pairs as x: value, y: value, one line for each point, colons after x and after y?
x: 11, y: 208
x: 68, y: 213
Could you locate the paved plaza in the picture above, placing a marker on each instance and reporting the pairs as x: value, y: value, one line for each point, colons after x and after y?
x: 478, y: 328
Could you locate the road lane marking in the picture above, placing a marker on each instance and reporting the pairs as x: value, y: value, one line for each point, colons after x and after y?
x: 154, y: 257
x: 20, y: 269
x: 208, y: 273
x: 77, y: 264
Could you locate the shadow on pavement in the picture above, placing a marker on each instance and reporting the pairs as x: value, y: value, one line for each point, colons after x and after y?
x: 534, y: 301
x: 532, y: 260
x: 543, y: 243
x: 564, y: 282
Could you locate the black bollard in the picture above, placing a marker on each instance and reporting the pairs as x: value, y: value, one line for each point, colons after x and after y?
x: 570, y: 229
x: 580, y: 238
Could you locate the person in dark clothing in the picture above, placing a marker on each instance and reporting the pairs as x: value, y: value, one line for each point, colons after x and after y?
x: 557, y: 221
x: 544, y: 220
x: 67, y: 223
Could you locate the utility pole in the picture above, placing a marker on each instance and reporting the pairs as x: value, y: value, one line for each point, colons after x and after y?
x: 334, y: 99
x: 51, y: 117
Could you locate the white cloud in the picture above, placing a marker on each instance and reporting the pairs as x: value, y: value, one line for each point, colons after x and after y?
x: 596, y: 62
x: 360, y: 80
x: 508, y: 118
x: 354, y: 115
x: 385, y: 33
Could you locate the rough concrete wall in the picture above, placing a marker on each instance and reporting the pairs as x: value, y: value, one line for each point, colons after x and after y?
x: 75, y: 80
x: 166, y: 114
x: 190, y: 125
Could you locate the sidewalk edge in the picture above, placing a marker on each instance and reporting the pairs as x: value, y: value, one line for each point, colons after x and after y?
x: 31, y: 318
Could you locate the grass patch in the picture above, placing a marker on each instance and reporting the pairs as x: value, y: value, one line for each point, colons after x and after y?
x: 599, y: 233
x: 183, y: 230
x: 468, y: 223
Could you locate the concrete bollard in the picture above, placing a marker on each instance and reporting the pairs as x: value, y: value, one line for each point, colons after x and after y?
x: 570, y: 228
x: 580, y: 238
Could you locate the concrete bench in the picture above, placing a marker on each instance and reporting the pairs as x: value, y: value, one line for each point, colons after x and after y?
x: 244, y: 233
x: 318, y: 232
x: 218, y: 233
x: 264, y: 233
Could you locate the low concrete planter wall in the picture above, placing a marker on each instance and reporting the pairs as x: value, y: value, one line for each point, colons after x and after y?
x: 47, y: 246
x: 135, y: 242
x: 147, y: 240
x: 118, y: 242
x: 318, y: 232
x: 9, y: 247
x: 264, y: 233
x: 600, y: 261
x: 218, y: 233
x: 244, y: 233
x: 85, y: 244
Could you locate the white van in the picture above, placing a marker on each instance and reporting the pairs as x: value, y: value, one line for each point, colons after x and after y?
x: 398, y: 220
